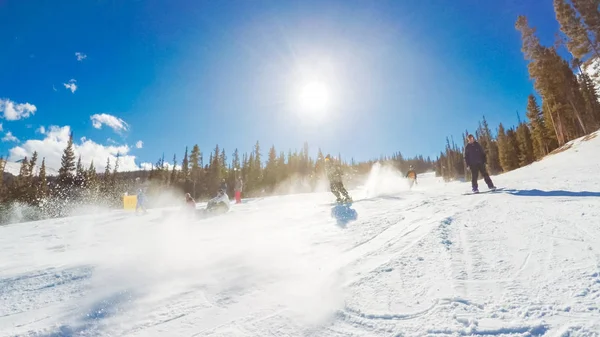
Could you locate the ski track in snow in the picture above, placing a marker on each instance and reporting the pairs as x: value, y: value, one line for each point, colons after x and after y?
x: 523, y: 261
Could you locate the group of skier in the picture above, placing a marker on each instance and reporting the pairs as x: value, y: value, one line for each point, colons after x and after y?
x: 475, y: 159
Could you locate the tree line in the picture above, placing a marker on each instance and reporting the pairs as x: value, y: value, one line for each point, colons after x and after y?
x: 569, y: 105
x: 44, y: 196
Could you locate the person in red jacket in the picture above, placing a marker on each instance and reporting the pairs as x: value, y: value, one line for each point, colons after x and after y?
x: 238, y: 190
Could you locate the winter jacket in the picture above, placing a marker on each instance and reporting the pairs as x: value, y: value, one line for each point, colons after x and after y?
x: 238, y: 185
x: 411, y: 174
x: 474, y: 154
x: 224, y: 186
x: 334, y: 171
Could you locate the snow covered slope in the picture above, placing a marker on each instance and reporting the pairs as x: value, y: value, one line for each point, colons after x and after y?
x: 523, y: 261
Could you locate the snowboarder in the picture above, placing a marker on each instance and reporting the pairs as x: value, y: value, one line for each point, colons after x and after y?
x: 412, y: 176
x: 141, y: 201
x: 334, y: 174
x: 476, y: 159
x: 238, y: 190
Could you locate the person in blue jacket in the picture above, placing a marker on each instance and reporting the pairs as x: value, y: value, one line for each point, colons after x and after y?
x: 141, y: 201
x: 476, y: 159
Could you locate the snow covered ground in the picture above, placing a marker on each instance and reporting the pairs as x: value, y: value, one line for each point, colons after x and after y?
x: 523, y: 261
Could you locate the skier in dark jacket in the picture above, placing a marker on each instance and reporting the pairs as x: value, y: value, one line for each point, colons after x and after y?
x: 223, y: 187
x: 334, y: 174
x: 476, y: 159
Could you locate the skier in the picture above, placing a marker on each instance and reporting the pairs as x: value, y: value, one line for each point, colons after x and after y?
x: 412, y: 176
x: 238, y: 190
x: 475, y: 159
x: 141, y: 201
x: 334, y: 174
x: 189, y: 201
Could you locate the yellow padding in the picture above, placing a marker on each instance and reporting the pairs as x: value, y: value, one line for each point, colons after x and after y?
x: 129, y: 202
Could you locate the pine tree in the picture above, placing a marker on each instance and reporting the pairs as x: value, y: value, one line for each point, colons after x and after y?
x: 32, y: 163
x: 106, y: 178
x: 185, y: 167
x: 538, y: 128
x: 30, y: 180
x: 513, y: 151
x: 195, y: 166
x: 588, y: 9
x: 20, y: 186
x: 42, y: 188
x: 525, y: 145
x: 173, y: 179
x: 504, y: 149
x: 91, y: 178
x: 65, y: 173
x: 578, y: 42
x: 79, y: 174
x: 270, y: 175
x: 554, y: 83
x: 590, y: 97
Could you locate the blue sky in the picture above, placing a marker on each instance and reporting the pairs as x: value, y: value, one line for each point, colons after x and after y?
x: 401, y: 75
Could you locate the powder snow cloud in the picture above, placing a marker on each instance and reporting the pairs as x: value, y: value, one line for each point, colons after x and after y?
x: 55, y: 141
x: 115, y: 123
x: 13, y: 111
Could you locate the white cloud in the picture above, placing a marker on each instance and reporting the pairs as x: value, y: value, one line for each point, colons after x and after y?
x: 80, y: 56
x: 41, y: 130
x: 138, y: 145
x: 0, y: 126
x: 55, y: 141
x: 15, y: 111
x: 71, y: 85
x: 9, y: 137
x: 54, y: 88
x: 117, y: 124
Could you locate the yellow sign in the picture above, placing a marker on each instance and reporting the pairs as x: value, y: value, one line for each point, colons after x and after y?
x: 129, y: 202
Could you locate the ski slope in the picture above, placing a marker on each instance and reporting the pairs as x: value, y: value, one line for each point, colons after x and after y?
x: 524, y: 261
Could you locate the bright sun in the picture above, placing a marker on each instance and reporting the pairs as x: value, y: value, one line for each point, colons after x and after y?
x: 314, y: 97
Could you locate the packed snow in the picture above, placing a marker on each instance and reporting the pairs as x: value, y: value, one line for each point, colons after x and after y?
x: 431, y: 261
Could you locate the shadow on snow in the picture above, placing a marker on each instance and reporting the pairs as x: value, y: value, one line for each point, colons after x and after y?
x: 557, y: 193
x: 91, y: 322
x: 343, y: 214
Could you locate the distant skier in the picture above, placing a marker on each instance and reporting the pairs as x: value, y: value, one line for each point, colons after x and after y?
x: 476, y: 159
x: 190, y: 202
x: 141, y: 201
x: 412, y: 176
x: 334, y: 174
x: 238, y: 190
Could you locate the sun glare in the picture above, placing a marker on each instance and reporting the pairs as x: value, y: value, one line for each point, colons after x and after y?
x: 314, y: 97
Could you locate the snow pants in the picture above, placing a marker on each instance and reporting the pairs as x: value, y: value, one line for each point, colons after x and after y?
x: 475, y: 170
x: 411, y: 182
x: 338, y: 189
x: 238, y: 197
